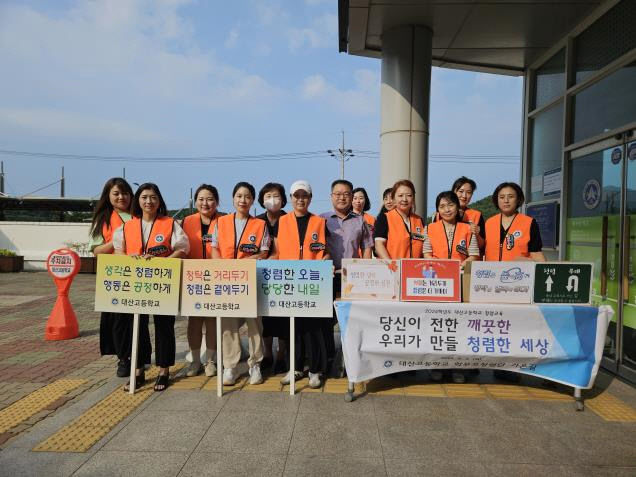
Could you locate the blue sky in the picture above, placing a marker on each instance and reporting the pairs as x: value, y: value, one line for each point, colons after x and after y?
x: 199, y: 78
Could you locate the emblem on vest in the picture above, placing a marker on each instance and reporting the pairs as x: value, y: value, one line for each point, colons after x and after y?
x: 159, y: 238
x: 517, y: 233
x: 314, y: 236
x: 207, y: 238
x: 252, y: 238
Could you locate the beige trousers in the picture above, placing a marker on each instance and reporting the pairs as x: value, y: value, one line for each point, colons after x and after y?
x: 232, y: 341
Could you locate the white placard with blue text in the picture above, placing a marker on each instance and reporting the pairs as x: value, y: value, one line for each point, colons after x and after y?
x: 295, y: 288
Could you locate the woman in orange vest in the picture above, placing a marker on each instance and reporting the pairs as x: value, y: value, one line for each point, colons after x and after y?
x: 303, y: 236
x: 448, y: 238
x: 198, y: 227
x: 360, y: 204
x: 510, y: 235
x: 241, y: 236
x: 111, y: 212
x: 465, y: 188
x: 151, y: 233
x: 272, y: 198
x: 399, y: 233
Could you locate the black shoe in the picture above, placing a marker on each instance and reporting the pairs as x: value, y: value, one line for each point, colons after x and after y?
x: 123, y: 368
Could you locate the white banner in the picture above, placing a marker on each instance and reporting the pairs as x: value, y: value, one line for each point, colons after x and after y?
x: 561, y: 343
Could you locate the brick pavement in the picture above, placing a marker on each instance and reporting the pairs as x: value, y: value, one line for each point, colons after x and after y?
x: 28, y: 362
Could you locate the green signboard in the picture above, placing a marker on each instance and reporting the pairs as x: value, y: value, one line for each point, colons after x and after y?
x: 562, y: 283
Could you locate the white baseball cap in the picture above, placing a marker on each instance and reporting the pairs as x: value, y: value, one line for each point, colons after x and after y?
x: 300, y: 185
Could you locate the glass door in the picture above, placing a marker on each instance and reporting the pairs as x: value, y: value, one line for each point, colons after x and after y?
x: 601, y: 228
x: 593, y: 226
x: 627, y: 341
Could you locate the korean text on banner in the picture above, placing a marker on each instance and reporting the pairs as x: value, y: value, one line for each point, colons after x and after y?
x: 430, y: 280
x: 219, y: 288
x: 375, y: 279
x: 128, y: 285
x: 499, y: 282
x: 295, y: 288
x: 561, y: 343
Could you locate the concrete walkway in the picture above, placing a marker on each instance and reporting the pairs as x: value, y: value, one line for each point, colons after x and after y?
x: 516, y: 430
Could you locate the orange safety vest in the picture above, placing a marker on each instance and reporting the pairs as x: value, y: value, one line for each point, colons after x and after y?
x: 516, y: 242
x: 313, y: 248
x: 439, y: 242
x: 115, y: 222
x: 249, y: 241
x: 159, y: 241
x: 200, y: 246
x: 401, y: 243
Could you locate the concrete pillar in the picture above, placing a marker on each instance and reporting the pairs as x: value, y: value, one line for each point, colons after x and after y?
x: 405, y: 98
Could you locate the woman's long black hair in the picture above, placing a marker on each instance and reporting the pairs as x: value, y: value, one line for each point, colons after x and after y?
x: 104, y: 209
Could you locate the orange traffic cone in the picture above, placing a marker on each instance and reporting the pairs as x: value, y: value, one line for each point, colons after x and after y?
x: 63, y: 265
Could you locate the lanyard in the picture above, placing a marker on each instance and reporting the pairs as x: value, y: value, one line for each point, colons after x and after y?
x: 144, y: 246
x: 501, y: 242
x: 449, y: 246
x: 236, y: 244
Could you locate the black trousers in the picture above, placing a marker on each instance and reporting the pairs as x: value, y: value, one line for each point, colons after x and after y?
x: 115, y: 335
x: 310, y: 344
x: 165, y: 343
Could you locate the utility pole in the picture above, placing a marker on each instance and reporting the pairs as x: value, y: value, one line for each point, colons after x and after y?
x: 342, y: 155
x: 124, y: 173
x: 191, y: 201
x: 62, y: 183
x: 1, y: 177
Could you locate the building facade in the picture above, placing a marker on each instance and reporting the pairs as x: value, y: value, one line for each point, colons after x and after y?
x: 578, y: 61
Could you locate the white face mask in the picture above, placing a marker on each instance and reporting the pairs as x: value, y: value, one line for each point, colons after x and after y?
x: 272, y: 204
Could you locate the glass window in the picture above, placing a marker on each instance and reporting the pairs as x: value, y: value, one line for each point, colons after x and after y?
x: 545, y: 153
x: 605, y: 105
x: 550, y: 80
x: 609, y: 38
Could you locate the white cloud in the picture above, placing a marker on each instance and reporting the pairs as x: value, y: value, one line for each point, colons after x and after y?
x: 321, y: 33
x: 232, y: 38
x: 361, y: 100
x: 131, y: 62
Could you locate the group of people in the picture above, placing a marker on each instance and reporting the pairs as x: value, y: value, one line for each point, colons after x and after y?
x: 138, y: 225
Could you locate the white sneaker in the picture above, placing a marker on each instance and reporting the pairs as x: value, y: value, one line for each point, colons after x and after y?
x: 287, y: 378
x: 255, y: 375
x: 229, y: 376
x: 194, y: 369
x: 314, y: 380
x: 210, y: 368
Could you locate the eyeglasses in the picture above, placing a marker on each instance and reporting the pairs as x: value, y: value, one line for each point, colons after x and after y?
x: 340, y: 195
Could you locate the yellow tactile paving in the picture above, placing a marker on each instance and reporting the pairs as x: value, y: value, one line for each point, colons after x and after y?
x: 610, y: 408
x: 195, y: 382
x: 211, y: 385
x: 340, y: 386
x: 465, y: 390
x: 35, y: 402
x: 83, y: 432
x: 270, y: 384
x: 424, y: 390
x: 549, y: 394
x: 503, y: 391
x: 302, y: 386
